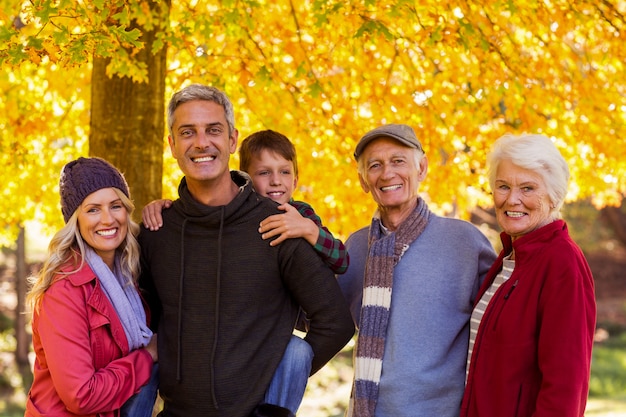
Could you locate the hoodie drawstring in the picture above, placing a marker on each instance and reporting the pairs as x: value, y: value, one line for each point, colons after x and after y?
x: 180, y: 299
x: 218, y: 283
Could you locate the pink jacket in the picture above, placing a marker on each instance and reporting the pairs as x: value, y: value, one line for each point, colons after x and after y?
x: 532, y: 353
x: 82, y: 365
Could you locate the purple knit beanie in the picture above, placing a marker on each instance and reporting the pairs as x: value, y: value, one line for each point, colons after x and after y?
x: 84, y: 176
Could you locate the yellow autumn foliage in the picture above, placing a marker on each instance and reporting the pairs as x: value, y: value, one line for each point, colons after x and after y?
x: 323, y: 72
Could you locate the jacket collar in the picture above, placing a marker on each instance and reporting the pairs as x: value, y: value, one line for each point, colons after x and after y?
x: 527, y: 242
x: 78, y: 276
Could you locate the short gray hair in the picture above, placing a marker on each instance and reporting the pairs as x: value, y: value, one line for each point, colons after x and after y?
x: 201, y: 92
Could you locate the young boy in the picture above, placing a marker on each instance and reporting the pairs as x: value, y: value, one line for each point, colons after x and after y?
x: 270, y: 160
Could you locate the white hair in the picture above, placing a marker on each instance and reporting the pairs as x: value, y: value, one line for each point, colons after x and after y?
x: 536, y: 153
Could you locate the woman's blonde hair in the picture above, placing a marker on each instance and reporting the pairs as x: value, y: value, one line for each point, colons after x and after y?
x: 67, y: 251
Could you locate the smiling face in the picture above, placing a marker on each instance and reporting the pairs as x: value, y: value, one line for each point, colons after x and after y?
x: 521, y: 199
x: 391, y: 173
x: 273, y: 176
x: 103, y: 223
x: 201, y: 143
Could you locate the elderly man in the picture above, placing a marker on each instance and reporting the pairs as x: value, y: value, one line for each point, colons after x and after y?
x: 411, y: 285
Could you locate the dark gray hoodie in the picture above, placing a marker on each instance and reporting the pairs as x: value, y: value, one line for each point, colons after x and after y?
x: 225, y: 302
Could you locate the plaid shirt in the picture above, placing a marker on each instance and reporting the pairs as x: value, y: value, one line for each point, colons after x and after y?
x: 331, y: 250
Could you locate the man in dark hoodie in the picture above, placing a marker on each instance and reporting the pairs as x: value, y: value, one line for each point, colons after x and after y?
x: 224, y: 301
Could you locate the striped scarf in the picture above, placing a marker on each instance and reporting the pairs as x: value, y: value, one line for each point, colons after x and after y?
x: 385, y: 251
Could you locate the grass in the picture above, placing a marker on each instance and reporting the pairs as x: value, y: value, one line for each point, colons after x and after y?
x: 12, y: 396
x: 328, y: 390
x: 607, y: 385
x: 598, y: 407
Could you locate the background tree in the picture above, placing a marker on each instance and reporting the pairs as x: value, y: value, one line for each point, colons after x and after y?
x: 30, y: 160
x: 128, y: 97
x: 323, y: 72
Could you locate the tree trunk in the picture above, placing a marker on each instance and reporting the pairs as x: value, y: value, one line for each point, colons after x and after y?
x: 127, y: 125
x: 615, y: 218
x: 22, y: 338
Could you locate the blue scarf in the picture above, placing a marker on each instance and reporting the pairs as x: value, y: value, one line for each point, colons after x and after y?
x: 124, y: 297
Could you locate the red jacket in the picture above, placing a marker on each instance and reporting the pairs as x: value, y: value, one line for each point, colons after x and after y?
x: 532, y: 353
x: 82, y: 365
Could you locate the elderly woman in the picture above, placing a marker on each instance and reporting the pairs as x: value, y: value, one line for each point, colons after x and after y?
x: 532, y: 327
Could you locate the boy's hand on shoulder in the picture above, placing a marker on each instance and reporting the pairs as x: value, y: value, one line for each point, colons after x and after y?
x: 151, y: 213
x: 288, y: 225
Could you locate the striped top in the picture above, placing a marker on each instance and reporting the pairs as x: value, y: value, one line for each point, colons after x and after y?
x: 477, y: 315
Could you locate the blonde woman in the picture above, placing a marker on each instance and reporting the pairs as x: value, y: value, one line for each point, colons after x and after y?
x: 94, y: 350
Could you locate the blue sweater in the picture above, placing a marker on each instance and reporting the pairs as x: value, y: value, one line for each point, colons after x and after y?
x: 435, y: 284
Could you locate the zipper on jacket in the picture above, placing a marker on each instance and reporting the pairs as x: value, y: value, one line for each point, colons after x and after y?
x: 506, y: 297
x: 508, y: 294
